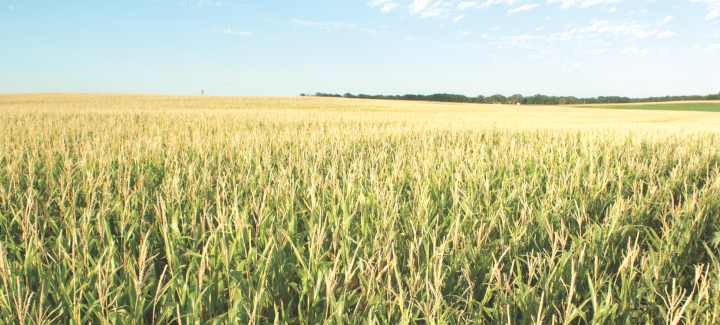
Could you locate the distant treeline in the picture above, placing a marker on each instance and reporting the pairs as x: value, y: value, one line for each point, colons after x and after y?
x: 530, y: 100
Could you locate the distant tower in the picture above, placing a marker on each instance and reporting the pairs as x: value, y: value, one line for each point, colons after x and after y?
x: 202, y: 92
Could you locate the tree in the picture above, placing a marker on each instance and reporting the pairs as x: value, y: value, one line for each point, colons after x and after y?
x: 496, y: 99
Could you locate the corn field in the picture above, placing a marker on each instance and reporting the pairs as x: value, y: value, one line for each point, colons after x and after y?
x: 130, y: 209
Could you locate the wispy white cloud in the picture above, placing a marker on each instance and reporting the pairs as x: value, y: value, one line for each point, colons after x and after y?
x: 230, y: 31
x: 569, y: 66
x: 579, y: 3
x: 712, y: 49
x: 694, y: 50
x: 11, y: 7
x: 596, y: 37
x: 494, y: 2
x: 437, y: 9
x: 713, y: 8
x: 666, y: 34
x: 597, y: 51
x: 666, y: 20
x: 457, y: 19
x: 387, y: 5
x: 418, y: 6
x: 522, y: 8
x: 328, y: 26
x: 212, y: 3
x: 630, y: 29
x: 444, y: 9
x: 523, y: 38
x: 466, y: 5
x: 629, y: 50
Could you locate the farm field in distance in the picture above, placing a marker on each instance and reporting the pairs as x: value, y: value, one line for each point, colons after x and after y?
x: 149, y: 209
x: 700, y: 106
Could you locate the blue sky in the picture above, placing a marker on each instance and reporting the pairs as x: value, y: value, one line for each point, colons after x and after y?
x: 554, y: 47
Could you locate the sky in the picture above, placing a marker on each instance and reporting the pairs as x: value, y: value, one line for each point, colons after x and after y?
x: 588, y: 48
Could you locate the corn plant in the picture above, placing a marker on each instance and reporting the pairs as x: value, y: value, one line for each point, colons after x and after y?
x: 125, y: 209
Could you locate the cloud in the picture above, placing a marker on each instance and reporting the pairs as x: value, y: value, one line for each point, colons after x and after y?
x: 466, y: 5
x: 582, y: 4
x: 438, y: 9
x: 630, y: 29
x: 418, y: 6
x: 443, y: 9
x: 387, y: 5
x: 597, y: 33
x: 328, y: 26
x: 569, y: 66
x: 613, y: 10
x: 522, y: 8
x: 565, y: 3
x: 666, y: 34
x: 522, y: 38
x: 493, y: 2
x: 628, y: 50
x: 210, y: 3
x: 714, y: 48
x: 666, y: 20
x: 11, y: 7
x: 230, y: 31
x: 713, y: 8
x: 597, y: 51
x: 693, y: 50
